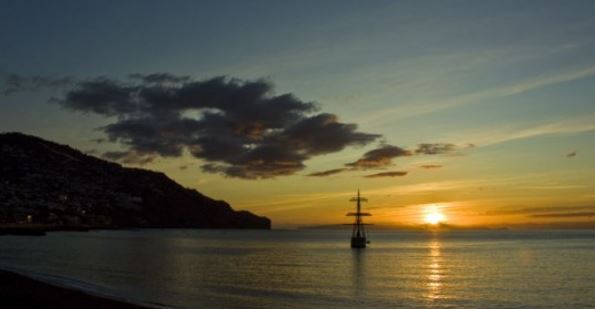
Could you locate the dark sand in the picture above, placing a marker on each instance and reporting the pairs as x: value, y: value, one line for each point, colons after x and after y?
x: 17, y: 291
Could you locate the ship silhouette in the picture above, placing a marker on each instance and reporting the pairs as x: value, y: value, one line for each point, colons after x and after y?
x: 358, y: 233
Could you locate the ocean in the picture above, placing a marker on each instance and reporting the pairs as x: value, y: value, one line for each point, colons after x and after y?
x: 317, y: 268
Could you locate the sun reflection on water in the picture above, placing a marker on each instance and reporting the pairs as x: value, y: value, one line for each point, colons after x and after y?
x: 435, y: 275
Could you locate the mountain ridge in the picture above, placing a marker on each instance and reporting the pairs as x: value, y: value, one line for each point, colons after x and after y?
x: 48, y: 183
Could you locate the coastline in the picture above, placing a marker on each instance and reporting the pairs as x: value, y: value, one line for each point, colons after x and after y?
x: 44, y: 229
x: 20, y: 291
x: 40, y: 229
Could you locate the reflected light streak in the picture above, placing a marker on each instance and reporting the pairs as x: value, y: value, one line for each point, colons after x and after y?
x: 435, y: 277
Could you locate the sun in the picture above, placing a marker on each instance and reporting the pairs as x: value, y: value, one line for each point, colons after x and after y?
x: 434, y: 215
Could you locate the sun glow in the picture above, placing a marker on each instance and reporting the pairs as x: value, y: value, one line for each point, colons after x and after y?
x: 433, y: 215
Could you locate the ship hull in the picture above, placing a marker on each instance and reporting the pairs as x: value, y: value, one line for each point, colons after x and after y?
x: 358, y: 242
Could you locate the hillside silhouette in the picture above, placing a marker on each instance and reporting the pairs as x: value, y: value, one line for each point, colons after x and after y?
x: 42, y: 182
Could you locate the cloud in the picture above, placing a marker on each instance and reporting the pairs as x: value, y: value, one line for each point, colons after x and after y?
x: 573, y: 125
x: 14, y: 83
x: 240, y: 128
x: 382, y: 157
x: 539, y: 211
x: 571, y: 155
x: 501, y: 91
x: 159, y: 78
x: 327, y: 172
x: 379, y: 157
x: 434, y: 149
x: 565, y: 215
x: 98, y: 140
x: 387, y: 174
x: 430, y: 166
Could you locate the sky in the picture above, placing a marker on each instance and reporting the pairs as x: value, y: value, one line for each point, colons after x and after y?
x: 480, y: 111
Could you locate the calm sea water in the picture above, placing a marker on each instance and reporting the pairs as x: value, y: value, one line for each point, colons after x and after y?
x: 317, y: 269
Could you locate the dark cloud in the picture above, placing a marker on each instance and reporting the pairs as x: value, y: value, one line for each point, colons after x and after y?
x: 387, y: 174
x: 435, y: 148
x: 382, y: 157
x: 571, y: 155
x: 265, y: 161
x: 160, y: 78
x: 98, y: 140
x: 103, y: 96
x: 374, y: 159
x: 379, y: 157
x: 240, y: 128
x: 13, y: 83
x: 323, y: 133
x: 327, y: 172
x: 565, y: 215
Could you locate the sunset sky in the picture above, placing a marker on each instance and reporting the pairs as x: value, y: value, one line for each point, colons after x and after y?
x: 481, y: 111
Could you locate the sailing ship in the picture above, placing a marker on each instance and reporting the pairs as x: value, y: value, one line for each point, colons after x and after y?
x: 358, y: 234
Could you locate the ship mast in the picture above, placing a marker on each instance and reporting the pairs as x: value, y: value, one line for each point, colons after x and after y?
x: 358, y: 234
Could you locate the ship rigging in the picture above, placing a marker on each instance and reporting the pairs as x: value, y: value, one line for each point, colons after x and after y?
x: 359, y: 234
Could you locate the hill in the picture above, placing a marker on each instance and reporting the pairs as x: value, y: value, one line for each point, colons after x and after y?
x: 47, y: 183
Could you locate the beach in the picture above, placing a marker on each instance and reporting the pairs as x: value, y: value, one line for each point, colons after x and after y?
x: 18, y: 291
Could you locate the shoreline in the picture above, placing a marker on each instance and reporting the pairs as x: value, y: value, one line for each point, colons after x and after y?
x: 39, y: 229
x: 44, y: 229
x: 21, y: 291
